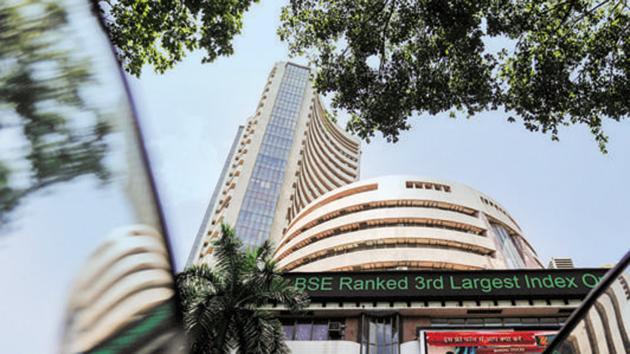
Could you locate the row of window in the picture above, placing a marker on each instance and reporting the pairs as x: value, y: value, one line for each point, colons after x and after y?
x: 308, y: 329
x: 342, y: 156
x: 261, y: 196
x: 332, y: 198
x: 389, y: 243
x: 383, y: 334
x: 319, y: 127
x: 501, y: 210
x: 404, y: 265
x: 398, y: 203
x: 428, y: 186
x: 378, y: 335
x: 382, y: 223
x: 321, y: 181
x: 317, y: 151
x: 302, y: 198
x: 303, y: 187
x: 349, y: 144
x: 314, y: 164
x: 498, y: 322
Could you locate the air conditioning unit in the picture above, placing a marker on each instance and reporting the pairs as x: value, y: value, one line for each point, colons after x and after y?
x: 336, y: 326
x: 561, y: 263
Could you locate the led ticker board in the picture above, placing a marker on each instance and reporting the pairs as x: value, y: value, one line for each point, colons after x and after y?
x: 443, y: 285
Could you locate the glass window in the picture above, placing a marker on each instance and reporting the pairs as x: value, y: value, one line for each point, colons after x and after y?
x: 303, y: 331
x: 263, y: 190
x: 513, y: 258
x: 288, y: 331
x: 320, y: 331
x: 380, y: 335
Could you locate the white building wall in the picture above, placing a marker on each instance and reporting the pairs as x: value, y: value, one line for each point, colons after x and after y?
x: 399, y: 221
x: 342, y: 347
x: 324, y: 347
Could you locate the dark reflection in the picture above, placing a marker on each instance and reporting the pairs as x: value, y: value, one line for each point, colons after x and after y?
x: 602, y: 324
x: 81, y: 237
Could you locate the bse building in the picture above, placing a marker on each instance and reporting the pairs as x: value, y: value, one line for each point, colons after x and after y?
x: 396, y: 264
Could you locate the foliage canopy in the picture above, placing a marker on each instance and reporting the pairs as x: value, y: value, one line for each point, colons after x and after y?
x: 547, y: 63
x: 566, y: 61
x: 159, y: 33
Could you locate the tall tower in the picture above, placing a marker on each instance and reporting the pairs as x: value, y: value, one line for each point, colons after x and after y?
x: 285, y: 156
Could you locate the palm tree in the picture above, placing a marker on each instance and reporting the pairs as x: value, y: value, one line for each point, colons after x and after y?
x: 222, y: 304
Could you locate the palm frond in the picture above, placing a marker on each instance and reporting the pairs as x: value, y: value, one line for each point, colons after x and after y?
x: 197, y: 281
x: 280, y: 291
x: 261, y: 333
x: 265, y: 251
x: 228, y: 254
x: 222, y: 304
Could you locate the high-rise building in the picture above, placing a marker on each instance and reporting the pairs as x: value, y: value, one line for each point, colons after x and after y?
x: 395, y: 264
x: 285, y: 156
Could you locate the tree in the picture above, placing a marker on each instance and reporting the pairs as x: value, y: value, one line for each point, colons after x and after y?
x: 562, y: 62
x: 222, y: 305
x: 57, y: 134
x: 159, y: 33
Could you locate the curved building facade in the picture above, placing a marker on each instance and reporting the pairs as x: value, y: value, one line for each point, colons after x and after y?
x: 286, y: 155
x: 329, y: 160
x: 126, y: 282
x: 403, y: 222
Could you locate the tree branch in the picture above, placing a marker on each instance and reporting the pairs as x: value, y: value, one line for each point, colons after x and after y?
x: 384, y: 35
x: 589, y: 12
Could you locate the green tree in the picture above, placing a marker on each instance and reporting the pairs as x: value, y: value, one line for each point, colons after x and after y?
x: 563, y: 62
x: 41, y: 100
x: 222, y: 305
x: 160, y: 33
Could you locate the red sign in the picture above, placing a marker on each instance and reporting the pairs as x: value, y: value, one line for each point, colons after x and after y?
x: 488, y: 342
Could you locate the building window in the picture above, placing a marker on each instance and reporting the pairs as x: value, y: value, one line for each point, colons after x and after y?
x: 509, y: 322
x: 513, y: 258
x: 261, y: 195
x: 428, y: 185
x: 380, y: 335
x: 314, y: 330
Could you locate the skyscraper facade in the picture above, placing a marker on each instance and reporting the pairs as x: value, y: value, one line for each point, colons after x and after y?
x: 285, y: 156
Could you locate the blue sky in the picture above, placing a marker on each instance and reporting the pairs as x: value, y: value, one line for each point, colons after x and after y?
x: 569, y: 198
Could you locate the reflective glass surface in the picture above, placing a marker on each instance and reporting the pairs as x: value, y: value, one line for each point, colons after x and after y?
x: 288, y: 331
x: 380, y: 335
x: 82, y: 245
x: 513, y: 258
x: 303, y: 331
x: 320, y: 331
x: 602, y: 325
x: 259, y: 204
